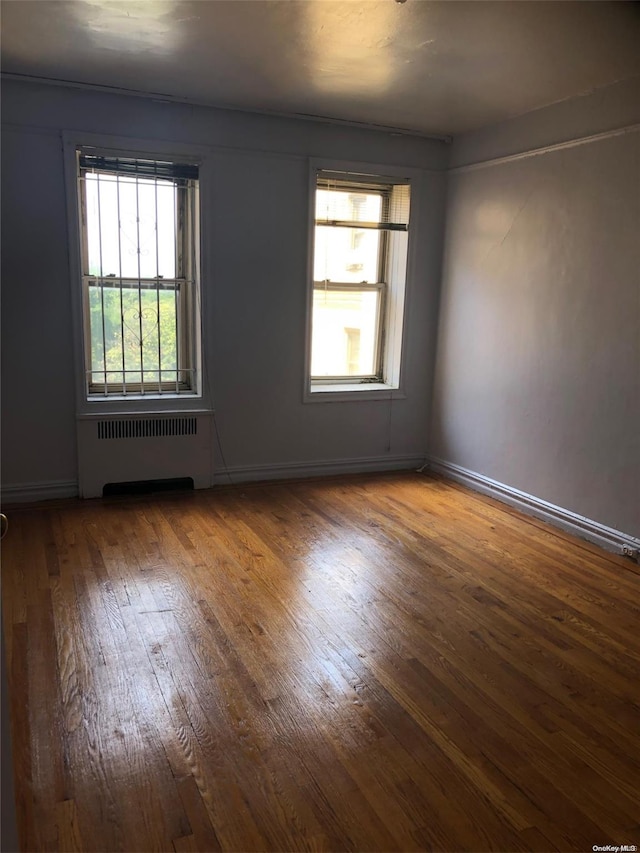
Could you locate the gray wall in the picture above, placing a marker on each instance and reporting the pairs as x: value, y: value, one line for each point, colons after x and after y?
x: 537, y: 377
x: 255, y: 338
x: 538, y: 368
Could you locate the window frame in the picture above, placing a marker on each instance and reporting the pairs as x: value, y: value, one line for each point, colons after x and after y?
x: 380, y: 286
x: 388, y: 382
x: 185, y: 280
x: 192, y: 400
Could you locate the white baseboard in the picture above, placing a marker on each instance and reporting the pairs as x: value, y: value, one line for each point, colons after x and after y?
x: 32, y: 492
x: 586, y: 528
x: 300, y: 470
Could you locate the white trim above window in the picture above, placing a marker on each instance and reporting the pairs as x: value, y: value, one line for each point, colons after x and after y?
x: 358, y: 258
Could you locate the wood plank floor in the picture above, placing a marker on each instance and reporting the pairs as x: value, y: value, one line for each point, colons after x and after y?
x: 373, y: 663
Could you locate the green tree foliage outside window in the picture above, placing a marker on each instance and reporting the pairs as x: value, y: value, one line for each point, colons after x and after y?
x: 140, y: 328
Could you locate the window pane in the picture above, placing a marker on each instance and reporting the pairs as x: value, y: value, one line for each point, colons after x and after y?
x: 348, y: 255
x: 349, y: 205
x: 148, y: 316
x: 344, y: 333
x: 131, y: 226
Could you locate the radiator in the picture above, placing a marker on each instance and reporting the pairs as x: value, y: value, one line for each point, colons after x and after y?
x: 127, y: 449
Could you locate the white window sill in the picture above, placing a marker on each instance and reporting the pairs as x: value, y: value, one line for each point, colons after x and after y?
x: 338, y: 392
x: 148, y: 404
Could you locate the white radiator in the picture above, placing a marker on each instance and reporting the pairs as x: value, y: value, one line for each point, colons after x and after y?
x: 128, y: 449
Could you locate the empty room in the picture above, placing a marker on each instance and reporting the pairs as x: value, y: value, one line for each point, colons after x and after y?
x: 320, y: 425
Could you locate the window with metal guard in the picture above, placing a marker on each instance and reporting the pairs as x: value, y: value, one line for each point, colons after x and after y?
x: 140, y: 264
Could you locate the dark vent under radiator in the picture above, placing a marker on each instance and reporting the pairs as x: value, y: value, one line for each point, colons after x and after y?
x: 147, y: 487
x: 147, y: 427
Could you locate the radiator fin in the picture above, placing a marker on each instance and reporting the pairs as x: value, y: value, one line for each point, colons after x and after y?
x: 147, y: 427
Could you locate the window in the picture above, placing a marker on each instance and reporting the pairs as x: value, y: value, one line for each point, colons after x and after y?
x: 140, y: 271
x: 359, y: 265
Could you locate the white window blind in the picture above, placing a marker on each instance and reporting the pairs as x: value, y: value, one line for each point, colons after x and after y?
x: 335, y: 207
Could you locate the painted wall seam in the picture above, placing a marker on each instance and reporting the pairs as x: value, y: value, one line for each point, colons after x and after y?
x: 231, y: 150
x: 547, y: 149
x: 161, y: 98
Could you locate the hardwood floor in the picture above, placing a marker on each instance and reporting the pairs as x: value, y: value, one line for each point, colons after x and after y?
x: 374, y: 663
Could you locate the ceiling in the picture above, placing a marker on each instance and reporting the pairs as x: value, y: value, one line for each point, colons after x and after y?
x: 429, y: 67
